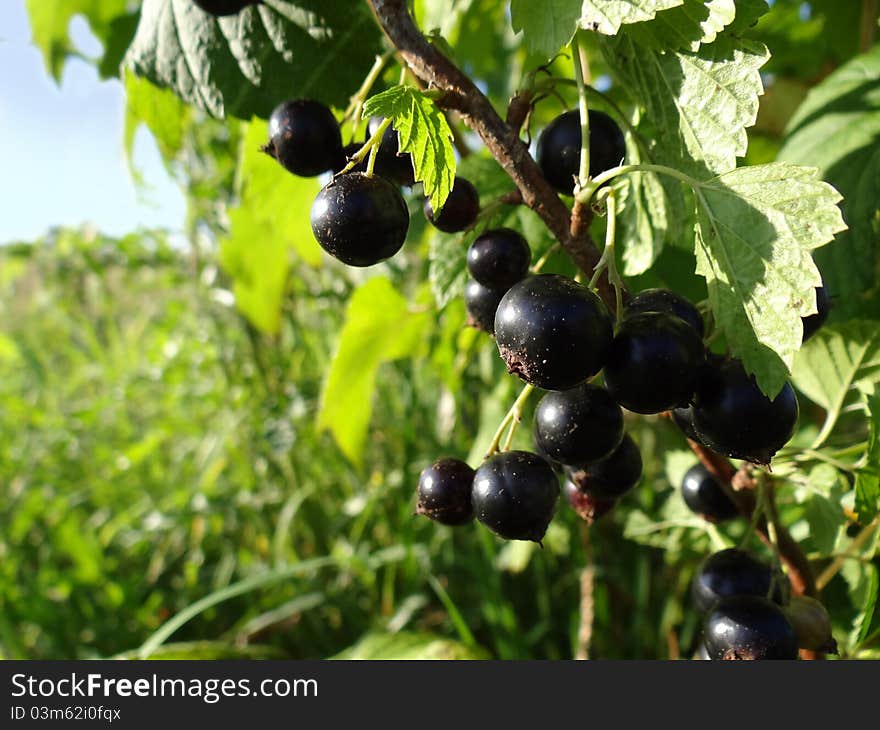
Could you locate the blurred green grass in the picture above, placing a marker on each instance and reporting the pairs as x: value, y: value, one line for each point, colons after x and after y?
x: 158, y: 455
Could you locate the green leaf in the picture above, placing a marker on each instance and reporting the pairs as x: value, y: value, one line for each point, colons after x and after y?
x: 606, y: 16
x: 687, y: 26
x: 163, y: 113
x: 424, y: 133
x: 546, y: 26
x: 379, y: 327
x: 838, y: 360
x: 50, y: 23
x: 702, y: 102
x: 756, y: 228
x: 270, y: 221
x: 845, y: 108
x: 410, y: 645
x: 243, y: 65
x: 867, y: 503
x: 447, y: 267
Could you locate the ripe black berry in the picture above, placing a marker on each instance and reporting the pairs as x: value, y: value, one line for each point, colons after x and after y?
x: 811, y: 623
x: 460, y: 209
x: 823, y: 309
x: 552, y: 332
x: 499, y: 258
x: 664, y: 300
x: 614, y: 476
x: 224, y: 7
x: 705, y: 496
x: 481, y: 304
x: 749, y: 628
x: 684, y: 419
x: 559, y: 148
x: 304, y: 137
x: 729, y: 573
x: 389, y: 162
x: 654, y: 362
x: 585, y: 505
x: 514, y: 495
x: 360, y: 220
x: 733, y: 417
x: 578, y: 426
x: 445, y: 492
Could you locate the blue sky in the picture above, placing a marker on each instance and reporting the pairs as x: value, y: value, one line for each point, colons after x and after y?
x: 61, y: 153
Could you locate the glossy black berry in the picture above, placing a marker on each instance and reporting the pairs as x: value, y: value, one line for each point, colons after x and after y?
x: 445, y: 492
x: 814, y: 322
x: 304, y: 137
x: 684, y: 419
x: 552, y: 332
x: 654, y: 362
x: 481, y: 304
x: 559, y: 148
x: 515, y: 494
x: 389, y: 162
x: 615, y: 475
x: 729, y: 573
x: 499, y: 258
x: 224, y: 7
x: 811, y: 623
x: 360, y: 220
x: 585, y: 505
x: 749, y: 628
x: 460, y: 209
x: 733, y: 417
x: 664, y: 300
x: 705, y: 496
x: 578, y: 426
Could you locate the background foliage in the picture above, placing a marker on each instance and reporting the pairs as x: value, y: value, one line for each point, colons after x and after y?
x: 230, y: 432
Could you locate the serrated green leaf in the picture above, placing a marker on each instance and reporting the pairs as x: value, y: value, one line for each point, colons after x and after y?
x: 606, y: 16
x: 687, y: 26
x: 867, y: 504
x: 747, y: 14
x: 845, y: 108
x: 424, y: 133
x: 701, y: 101
x: 838, y: 360
x: 267, y: 225
x: 447, y: 267
x: 546, y: 26
x: 163, y: 113
x: 643, y: 221
x: 379, y: 327
x: 243, y: 65
x: 50, y: 24
x: 756, y: 228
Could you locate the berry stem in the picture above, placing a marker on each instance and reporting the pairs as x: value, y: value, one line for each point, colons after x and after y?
x: 511, y: 420
x: 369, y: 148
x: 539, y: 264
x: 353, y: 111
x: 609, y: 260
x: 587, y: 192
x: 577, y: 60
x: 834, y: 568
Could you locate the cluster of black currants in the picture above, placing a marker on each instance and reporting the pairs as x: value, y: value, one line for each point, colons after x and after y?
x: 358, y: 218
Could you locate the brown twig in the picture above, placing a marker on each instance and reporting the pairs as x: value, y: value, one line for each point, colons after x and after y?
x: 503, y: 142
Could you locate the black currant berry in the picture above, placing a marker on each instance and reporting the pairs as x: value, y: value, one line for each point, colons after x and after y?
x: 664, y: 300
x: 389, y: 162
x: 811, y: 623
x: 552, y: 332
x: 749, y: 628
x: 684, y: 419
x: 460, y: 209
x: 304, y: 137
x: 514, y: 495
x: 705, y: 496
x: 733, y: 417
x: 499, y: 258
x: 578, y: 426
x: 729, y: 573
x: 614, y: 476
x: 481, y: 304
x: 814, y: 322
x: 224, y: 7
x: 585, y: 505
x: 654, y: 362
x: 360, y: 220
x: 445, y: 492
x: 559, y: 148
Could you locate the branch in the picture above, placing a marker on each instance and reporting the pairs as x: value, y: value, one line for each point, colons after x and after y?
x: 503, y: 141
